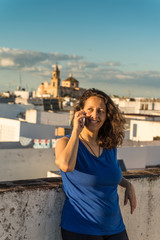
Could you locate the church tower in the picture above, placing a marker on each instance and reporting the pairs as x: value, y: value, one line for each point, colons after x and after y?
x: 55, y: 82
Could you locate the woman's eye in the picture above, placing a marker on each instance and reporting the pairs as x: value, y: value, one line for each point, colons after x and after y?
x: 101, y: 111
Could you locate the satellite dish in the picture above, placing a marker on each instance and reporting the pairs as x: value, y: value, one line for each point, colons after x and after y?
x: 25, y: 141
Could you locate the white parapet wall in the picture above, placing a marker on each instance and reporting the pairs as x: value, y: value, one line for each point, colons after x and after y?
x: 31, y: 209
x: 29, y: 163
x: 144, y: 223
x: 139, y: 157
x: 9, y: 130
x: 31, y: 212
x: 48, y: 118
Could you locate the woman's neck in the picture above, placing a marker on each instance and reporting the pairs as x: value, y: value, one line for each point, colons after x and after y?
x: 89, y: 136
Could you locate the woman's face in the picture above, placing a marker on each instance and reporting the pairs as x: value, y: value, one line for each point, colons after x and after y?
x: 95, y: 109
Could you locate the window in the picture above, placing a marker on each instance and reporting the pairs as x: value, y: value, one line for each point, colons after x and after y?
x: 146, y: 106
x: 142, y: 107
x: 134, y: 130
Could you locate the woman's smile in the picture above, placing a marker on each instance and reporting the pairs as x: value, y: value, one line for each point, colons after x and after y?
x: 95, y: 109
x: 93, y: 121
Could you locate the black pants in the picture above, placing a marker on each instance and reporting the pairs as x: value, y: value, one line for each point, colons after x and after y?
x: 67, y: 235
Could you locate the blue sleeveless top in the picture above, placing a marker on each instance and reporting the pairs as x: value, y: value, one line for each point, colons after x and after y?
x: 92, y: 204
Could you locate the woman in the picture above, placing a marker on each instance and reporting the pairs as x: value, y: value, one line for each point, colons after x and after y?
x: 90, y: 171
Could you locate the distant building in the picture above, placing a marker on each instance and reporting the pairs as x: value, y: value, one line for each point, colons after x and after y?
x: 70, y: 87
x: 53, y: 89
x: 22, y: 94
x: 138, y: 105
x: 7, y: 97
x: 70, y: 82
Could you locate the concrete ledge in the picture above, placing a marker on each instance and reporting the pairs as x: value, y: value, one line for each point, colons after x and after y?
x: 31, y: 209
x: 56, y: 182
x: 31, y: 184
x: 148, y: 172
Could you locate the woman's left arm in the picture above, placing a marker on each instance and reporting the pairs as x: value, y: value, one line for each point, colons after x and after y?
x: 129, y: 193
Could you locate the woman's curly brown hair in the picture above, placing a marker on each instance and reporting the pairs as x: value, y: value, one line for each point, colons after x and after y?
x: 111, y: 134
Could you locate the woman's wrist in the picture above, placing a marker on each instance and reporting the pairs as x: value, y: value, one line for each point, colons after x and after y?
x: 75, y: 132
x: 125, y: 183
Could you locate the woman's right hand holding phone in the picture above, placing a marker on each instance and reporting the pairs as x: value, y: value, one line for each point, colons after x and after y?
x: 67, y: 148
x: 78, y: 122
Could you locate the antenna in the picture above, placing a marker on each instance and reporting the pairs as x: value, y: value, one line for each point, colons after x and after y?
x: 20, y: 81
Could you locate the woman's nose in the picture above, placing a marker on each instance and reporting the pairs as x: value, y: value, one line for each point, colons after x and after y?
x: 94, y: 114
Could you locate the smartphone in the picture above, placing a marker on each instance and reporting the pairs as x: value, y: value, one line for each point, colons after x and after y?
x: 83, y: 122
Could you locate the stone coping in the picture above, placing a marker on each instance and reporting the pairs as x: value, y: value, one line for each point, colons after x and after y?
x: 30, y: 184
x: 56, y: 182
x: 148, y: 172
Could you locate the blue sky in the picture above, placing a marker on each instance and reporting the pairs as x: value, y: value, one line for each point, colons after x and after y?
x: 112, y: 45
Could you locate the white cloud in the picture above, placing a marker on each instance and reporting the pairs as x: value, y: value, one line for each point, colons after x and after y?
x: 4, y: 50
x: 7, y: 62
x: 112, y: 64
x: 82, y: 65
x: 122, y: 76
x: 30, y: 69
x: 27, y: 59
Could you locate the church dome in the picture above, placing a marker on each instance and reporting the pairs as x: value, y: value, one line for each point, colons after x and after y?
x: 71, y: 79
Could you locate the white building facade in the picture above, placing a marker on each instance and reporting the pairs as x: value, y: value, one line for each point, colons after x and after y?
x: 138, y: 106
x: 144, y: 130
x: 9, y: 130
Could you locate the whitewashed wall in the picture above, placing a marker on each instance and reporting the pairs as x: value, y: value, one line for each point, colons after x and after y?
x: 51, y: 118
x: 33, y: 212
x: 9, y: 130
x: 11, y: 110
x: 22, y: 94
x: 129, y: 106
x: 48, y: 118
x: 42, y: 131
x: 133, y: 157
x: 139, y: 157
x: 157, y: 106
x: 31, y: 116
x: 146, y: 130
x: 29, y: 163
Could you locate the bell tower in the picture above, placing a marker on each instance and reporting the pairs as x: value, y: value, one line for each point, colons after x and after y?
x: 55, y: 82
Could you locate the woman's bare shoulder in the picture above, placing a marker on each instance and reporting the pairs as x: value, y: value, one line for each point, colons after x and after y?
x: 62, y: 142
x: 60, y: 145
